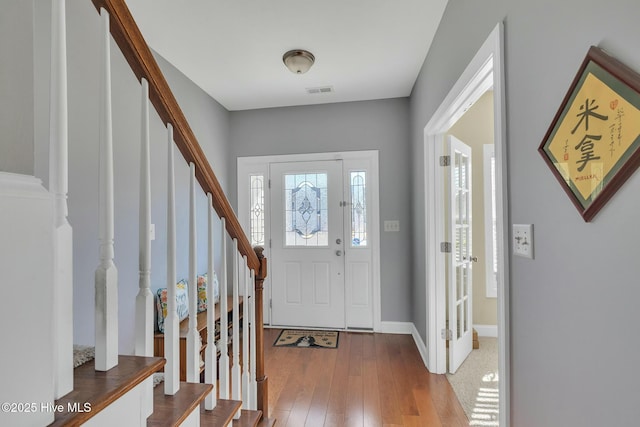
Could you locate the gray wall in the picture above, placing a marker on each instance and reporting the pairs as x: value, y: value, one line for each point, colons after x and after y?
x: 367, y: 125
x: 16, y: 86
x: 573, y: 310
x: 210, y: 123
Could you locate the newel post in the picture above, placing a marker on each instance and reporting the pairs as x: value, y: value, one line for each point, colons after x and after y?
x: 261, y: 378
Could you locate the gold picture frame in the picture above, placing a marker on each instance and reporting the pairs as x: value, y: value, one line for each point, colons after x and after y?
x: 592, y: 145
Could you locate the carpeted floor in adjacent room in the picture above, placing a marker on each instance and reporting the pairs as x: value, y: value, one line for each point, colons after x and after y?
x: 476, y: 384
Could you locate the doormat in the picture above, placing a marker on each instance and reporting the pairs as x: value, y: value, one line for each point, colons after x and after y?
x: 304, y: 339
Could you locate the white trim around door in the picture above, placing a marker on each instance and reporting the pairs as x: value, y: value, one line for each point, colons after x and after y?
x: 485, y: 71
x: 257, y: 168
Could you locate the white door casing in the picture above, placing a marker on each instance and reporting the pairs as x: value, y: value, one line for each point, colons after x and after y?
x: 460, y: 263
x: 307, y: 248
x: 361, y: 252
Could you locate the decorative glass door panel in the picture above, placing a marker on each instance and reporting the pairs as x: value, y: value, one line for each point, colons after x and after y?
x: 257, y: 209
x: 358, y: 205
x: 306, y: 216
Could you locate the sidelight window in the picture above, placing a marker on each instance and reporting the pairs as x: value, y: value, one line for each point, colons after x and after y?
x: 358, y: 205
x: 257, y: 210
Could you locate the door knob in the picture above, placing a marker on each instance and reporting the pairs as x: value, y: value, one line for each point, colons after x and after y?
x: 339, y: 253
x: 338, y: 241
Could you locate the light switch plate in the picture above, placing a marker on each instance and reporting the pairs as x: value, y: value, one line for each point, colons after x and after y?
x: 392, y: 225
x: 523, y: 240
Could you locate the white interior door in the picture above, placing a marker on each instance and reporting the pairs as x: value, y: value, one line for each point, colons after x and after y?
x: 307, y: 269
x: 459, y: 229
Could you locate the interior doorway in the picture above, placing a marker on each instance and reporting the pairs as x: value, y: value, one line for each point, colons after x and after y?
x: 472, y: 267
x: 484, y: 73
x: 317, y: 216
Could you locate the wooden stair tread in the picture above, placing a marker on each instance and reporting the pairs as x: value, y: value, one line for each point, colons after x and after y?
x: 221, y: 415
x: 100, y: 389
x: 248, y: 418
x: 267, y: 422
x: 170, y: 411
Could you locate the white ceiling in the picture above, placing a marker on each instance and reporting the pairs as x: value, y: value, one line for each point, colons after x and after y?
x: 364, y: 49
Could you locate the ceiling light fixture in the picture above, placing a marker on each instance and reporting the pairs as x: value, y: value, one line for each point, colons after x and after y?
x: 298, y: 61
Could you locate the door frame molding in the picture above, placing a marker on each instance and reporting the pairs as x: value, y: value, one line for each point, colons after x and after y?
x: 260, y: 164
x: 485, y: 71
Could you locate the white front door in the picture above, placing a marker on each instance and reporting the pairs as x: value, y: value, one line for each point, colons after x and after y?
x: 307, y: 232
x: 459, y: 229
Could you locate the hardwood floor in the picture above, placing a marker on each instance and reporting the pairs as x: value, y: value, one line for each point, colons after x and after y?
x: 370, y: 380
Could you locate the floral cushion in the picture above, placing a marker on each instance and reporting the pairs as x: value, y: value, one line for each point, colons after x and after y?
x: 182, y: 303
x: 202, y: 291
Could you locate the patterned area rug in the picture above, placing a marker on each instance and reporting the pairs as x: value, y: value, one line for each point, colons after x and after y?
x: 305, y: 339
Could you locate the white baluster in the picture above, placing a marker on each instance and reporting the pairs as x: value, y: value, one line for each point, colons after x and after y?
x: 144, y: 300
x: 253, y: 384
x: 58, y: 186
x: 171, y: 326
x: 235, y: 359
x: 106, y: 275
x: 193, y: 337
x: 224, y: 320
x: 246, y: 399
x: 210, y: 375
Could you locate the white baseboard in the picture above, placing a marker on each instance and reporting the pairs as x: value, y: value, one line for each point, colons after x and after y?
x: 422, y: 348
x: 487, y: 330
x: 404, y: 328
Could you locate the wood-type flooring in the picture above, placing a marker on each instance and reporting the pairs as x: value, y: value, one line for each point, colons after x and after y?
x: 369, y: 380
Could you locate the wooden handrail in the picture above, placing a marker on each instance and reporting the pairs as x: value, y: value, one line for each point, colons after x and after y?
x: 128, y: 37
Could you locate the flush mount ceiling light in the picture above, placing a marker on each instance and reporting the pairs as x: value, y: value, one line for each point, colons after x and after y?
x: 298, y: 61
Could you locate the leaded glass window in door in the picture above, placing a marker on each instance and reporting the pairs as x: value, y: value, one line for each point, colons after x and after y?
x: 358, y: 208
x: 306, y: 220
x: 257, y: 210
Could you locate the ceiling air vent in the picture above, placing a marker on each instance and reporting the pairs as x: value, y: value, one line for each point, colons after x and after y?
x: 315, y: 90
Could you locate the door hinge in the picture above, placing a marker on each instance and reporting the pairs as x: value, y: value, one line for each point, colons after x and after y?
x: 269, y: 182
x: 445, y: 160
x: 446, y: 334
x: 269, y: 242
x: 270, y: 303
x: 445, y: 247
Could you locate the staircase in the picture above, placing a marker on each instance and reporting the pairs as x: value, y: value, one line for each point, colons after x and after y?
x: 116, y: 389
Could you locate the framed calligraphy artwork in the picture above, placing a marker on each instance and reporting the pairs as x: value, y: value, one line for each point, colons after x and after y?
x: 592, y: 143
